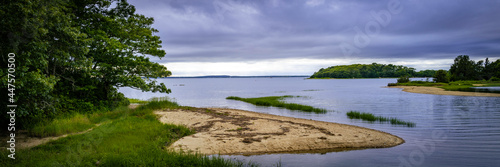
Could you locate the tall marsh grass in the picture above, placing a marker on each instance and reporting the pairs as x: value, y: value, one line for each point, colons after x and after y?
x: 276, y: 101
x: 60, y: 126
x: 370, y: 117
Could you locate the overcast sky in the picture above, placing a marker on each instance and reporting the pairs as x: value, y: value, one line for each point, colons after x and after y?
x: 290, y: 37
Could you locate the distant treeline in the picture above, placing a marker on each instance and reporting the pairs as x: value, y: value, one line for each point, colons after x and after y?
x: 373, y: 70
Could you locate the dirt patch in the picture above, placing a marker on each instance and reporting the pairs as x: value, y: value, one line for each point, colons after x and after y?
x: 230, y: 131
x: 440, y: 91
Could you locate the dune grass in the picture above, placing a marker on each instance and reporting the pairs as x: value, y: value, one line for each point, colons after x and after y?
x: 137, y: 101
x: 370, y: 117
x: 275, y: 101
x: 60, y: 126
x: 126, y: 137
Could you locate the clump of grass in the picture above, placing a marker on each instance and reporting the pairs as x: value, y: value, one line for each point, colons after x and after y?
x: 311, y: 90
x: 275, y: 101
x: 101, y: 117
x: 370, y: 117
x: 59, y: 126
x: 129, y: 138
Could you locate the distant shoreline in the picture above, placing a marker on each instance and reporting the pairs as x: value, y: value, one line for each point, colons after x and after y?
x: 440, y: 91
x: 362, y: 78
x: 230, y: 76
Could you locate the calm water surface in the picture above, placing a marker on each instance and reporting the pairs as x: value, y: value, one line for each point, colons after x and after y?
x: 450, y: 131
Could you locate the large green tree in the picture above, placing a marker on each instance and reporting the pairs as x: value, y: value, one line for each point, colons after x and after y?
x: 441, y: 76
x: 71, y: 55
x: 463, y: 69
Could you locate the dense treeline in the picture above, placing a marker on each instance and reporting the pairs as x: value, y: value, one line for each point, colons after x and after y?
x: 465, y: 69
x: 373, y: 70
x: 71, y: 55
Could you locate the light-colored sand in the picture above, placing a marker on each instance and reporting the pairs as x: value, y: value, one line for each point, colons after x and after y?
x: 440, y: 91
x: 230, y: 131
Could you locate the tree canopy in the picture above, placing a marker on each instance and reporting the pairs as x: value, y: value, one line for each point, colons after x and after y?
x: 71, y: 55
x: 463, y: 68
x: 373, y: 70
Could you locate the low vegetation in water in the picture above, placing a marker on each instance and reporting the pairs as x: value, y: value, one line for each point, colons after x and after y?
x: 370, y: 117
x: 466, y: 86
x: 125, y: 137
x: 276, y: 101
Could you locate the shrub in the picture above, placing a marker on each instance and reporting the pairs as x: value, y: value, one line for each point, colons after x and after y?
x: 494, y: 79
x: 441, y: 76
x: 403, y: 79
x: 392, y: 84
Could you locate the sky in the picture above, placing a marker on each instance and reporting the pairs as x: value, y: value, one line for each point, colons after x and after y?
x: 298, y: 37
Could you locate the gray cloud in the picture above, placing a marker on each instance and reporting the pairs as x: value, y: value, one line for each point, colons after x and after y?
x: 238, y: 30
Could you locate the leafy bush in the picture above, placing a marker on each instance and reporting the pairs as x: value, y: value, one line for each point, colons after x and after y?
x: 442, y: 76
x: 404, y: 79
x: 392, y: 84
x: 494, y: 79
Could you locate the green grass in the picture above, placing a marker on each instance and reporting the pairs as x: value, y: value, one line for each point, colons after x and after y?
x: 60, y: 126
x: 125, y: 137
x: 370, y: 117
x: 275, y: 101
x: 418, y: 83
x: 131, y: 100
x: 465, y: 86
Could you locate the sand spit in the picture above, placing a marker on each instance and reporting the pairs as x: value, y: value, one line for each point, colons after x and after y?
x: 440, y: 91
x: 231, y: 131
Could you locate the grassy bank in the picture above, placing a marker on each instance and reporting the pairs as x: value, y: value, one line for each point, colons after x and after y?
x: 125, y: 137
x: 372, y: 118
x: 466, y: 86
x: 137, y: 101
x: 275, y: 101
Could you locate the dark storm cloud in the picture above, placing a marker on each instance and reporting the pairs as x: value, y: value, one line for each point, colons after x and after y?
x: 237, y: 30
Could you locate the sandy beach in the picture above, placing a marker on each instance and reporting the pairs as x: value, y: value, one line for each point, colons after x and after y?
x: 440, y: 91
x: 231, y: 131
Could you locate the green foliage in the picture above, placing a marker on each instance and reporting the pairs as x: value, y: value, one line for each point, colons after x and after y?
x: 370, y: 117
x: 465, y: 69
x: 425, y: 73
x: 467, y: 86
x: 441, y: 76
x: 131, y: 100
x: 72, y: 55
x: 373, y: 70
x: 275, y: 101
x: 494, y: 79
x: 403, y: 79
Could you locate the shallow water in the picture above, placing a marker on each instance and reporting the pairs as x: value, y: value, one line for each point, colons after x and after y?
x: 450, y: 130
